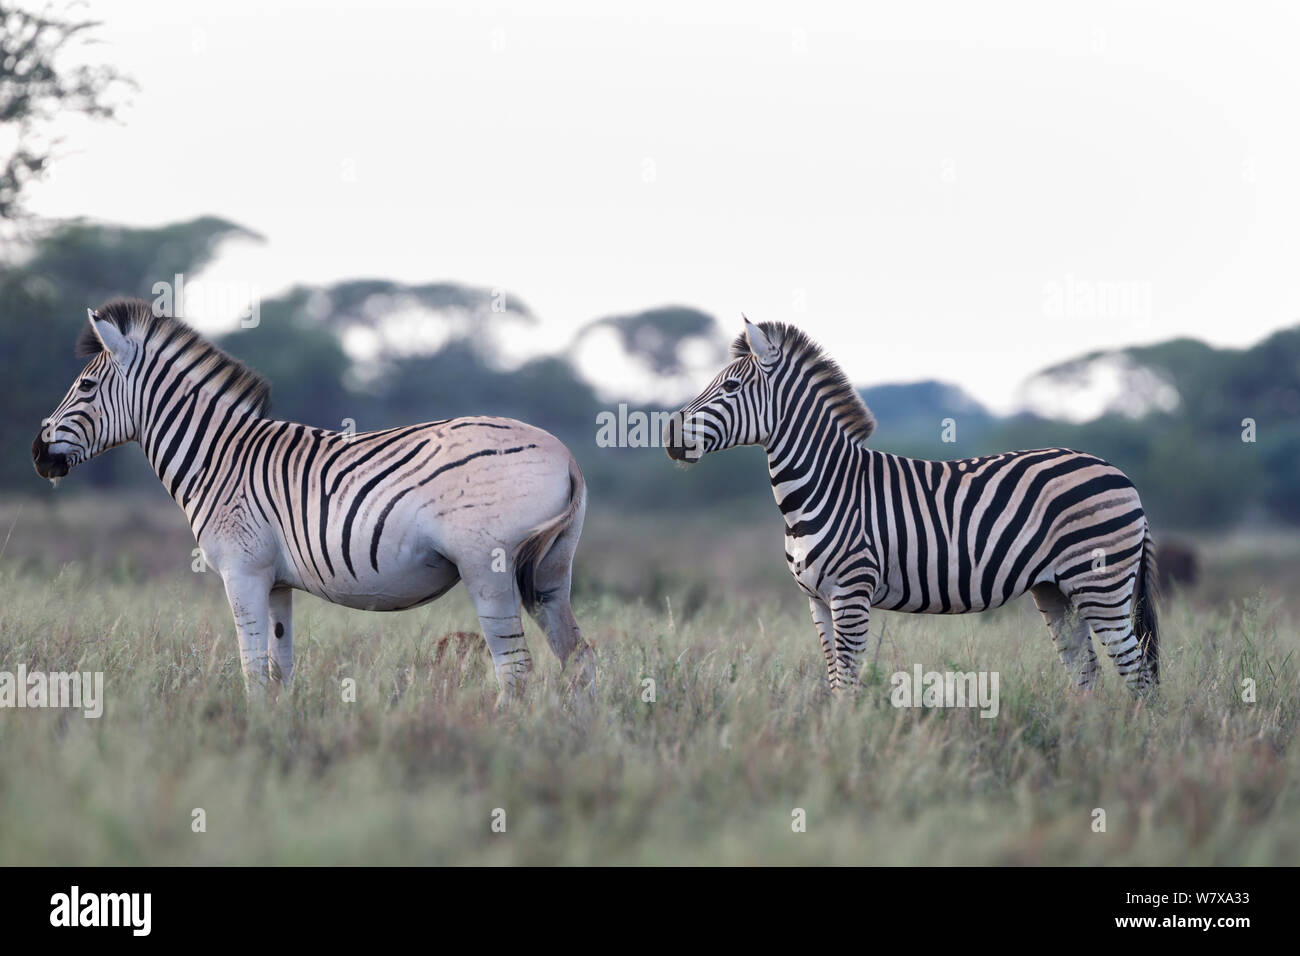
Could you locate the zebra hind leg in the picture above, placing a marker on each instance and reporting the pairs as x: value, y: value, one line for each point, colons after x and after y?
x: 553, y: 613
x: 496, y: 600
x: 1069, y: 633
x: 1113, y: 625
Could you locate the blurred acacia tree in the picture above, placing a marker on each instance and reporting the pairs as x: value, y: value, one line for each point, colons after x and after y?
x: 37, y: 83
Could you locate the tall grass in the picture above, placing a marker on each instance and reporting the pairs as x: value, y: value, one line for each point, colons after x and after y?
x: 740, y: 735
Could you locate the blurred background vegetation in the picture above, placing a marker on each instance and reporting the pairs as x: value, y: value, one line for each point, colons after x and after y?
x: 377, y: 353
x: 1187, y: 456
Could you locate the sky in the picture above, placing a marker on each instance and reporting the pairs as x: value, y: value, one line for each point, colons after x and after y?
x: 965, y: 192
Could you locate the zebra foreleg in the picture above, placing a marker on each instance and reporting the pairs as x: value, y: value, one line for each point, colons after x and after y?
x: 281, y: 640
x: 824, y: 621
x: 852, y: 616
x: 250, y: 605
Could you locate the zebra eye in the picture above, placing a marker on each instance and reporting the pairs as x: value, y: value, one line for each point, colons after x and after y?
x: 730, y: 385
x: 85, y: 385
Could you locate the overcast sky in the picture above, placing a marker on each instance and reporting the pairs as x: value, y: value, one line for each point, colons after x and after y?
x: 958, y: 191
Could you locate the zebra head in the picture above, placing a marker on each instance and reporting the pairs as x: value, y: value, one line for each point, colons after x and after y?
x: 94, y: 415
x: 735, y: 408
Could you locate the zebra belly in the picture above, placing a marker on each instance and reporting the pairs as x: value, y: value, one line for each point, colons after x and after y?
x: 939, y: 593
x: 415, y: 580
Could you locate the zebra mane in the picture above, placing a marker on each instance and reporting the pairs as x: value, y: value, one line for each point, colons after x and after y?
x: 842, y: 398
x: 135, y: 319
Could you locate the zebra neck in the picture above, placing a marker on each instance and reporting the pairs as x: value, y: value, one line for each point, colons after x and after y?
x: 810, y: 464
x: 190, y: 439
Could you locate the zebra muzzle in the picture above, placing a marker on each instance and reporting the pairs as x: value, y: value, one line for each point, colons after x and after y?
x: 679, y: 442
x: 48, y: 464
x: 676, y: 452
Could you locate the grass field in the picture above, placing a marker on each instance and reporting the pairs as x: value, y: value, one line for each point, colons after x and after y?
x: 741, y: 732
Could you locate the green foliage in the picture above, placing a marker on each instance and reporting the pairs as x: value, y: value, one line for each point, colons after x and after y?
x: 297, y: 356
x: 1190, y: 465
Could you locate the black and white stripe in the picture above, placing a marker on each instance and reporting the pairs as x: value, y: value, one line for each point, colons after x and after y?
x: 382, y: 520
x: 866, y: 529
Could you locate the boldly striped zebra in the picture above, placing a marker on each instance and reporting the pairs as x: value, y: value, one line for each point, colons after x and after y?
x: 865, y: 529
x: 381, y: 520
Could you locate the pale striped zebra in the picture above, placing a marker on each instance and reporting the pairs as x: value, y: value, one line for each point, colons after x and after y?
x: 864, y: 528
x: 382, y: 520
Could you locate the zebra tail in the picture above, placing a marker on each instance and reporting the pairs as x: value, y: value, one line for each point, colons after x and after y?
x: 1148, y: 594
x: 537, y: 543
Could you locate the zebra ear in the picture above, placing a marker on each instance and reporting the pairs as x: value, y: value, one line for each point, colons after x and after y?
x: 109, y: 336
x: 759, y: 343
